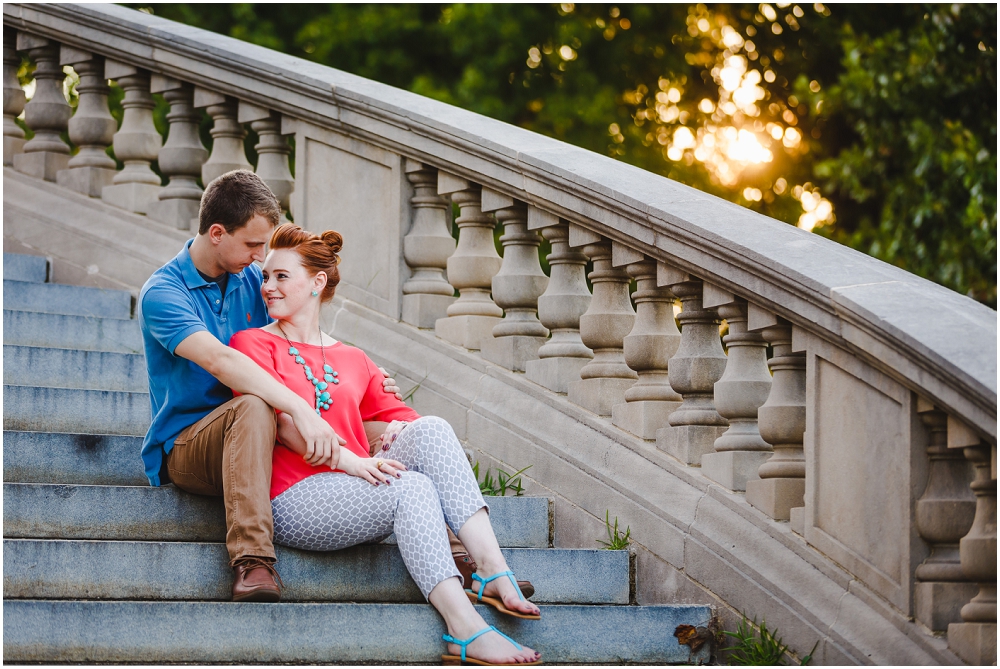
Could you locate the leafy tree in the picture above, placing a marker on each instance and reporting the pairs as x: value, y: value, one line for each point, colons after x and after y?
x: 874, y: 125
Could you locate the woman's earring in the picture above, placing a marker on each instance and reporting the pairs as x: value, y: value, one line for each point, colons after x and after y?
x: 315, y: 294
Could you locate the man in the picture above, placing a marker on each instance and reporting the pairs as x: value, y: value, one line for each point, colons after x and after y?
x: 201, y: 438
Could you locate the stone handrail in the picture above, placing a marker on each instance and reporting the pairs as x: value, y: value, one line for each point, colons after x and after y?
x: 875, y: 372
x: 936, y: 341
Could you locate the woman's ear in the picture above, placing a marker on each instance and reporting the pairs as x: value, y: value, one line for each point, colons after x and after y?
x: 319, y: 282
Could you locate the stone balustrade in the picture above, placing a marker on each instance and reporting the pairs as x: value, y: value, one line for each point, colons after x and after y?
x: 851, y: 431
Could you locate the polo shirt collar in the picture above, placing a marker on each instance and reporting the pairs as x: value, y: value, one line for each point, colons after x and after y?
x: 192, y: 279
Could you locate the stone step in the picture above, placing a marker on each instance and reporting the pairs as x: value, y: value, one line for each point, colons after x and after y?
x: 48, y: 511
x: 22, y: 267
x: 57, y: 298
x: 71, y: 569
x: 69, y: 368
x: 43, y: 409
x: 52, y: 457
x: 230, y: 633
x: 28, y: 328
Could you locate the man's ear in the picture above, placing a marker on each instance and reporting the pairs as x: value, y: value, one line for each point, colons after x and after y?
x: 215, y: 232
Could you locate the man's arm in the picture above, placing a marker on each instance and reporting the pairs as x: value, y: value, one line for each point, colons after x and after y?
x: 240, y: 373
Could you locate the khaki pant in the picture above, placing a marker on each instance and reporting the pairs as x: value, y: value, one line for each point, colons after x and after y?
x: 228, y: 454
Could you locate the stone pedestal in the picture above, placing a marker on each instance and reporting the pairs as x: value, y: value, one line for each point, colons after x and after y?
x: 688, y: 443
x: 599, y: 394
x: 423, y: 310
x: 733, y: 469
x: 797, y: 520
x: 976, y: 643
x: 135, y: 197
x: 41, y: 164
x: 466, y: 331
x: 643, y: 418
x: 776, y: 497
x: 87, y: 180
x: 938, y: 604
x: 555, y: 373
x: 12, y: 146
x: 512, y: 352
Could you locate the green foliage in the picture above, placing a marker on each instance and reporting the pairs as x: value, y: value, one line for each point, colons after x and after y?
x: 504, y: 481
x: 757, y: 646
x: 888, y: 111
x: 617, y: 540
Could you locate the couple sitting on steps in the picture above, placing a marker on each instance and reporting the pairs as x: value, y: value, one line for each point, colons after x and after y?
x: 303, y: 436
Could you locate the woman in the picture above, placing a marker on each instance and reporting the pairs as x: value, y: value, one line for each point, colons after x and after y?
x: 351, y: 498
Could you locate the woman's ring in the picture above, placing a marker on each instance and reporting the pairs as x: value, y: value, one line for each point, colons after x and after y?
x: 378, y: 464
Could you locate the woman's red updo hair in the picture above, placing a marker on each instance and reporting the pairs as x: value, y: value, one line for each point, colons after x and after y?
x: 319, y: 253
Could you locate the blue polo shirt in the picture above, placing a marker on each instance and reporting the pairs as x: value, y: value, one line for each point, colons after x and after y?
x: 174, y: 303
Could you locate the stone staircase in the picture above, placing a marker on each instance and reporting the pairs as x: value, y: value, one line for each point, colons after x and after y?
x: 100, y: 567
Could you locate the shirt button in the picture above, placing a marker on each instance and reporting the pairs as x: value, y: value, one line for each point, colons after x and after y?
x: 216, y: 301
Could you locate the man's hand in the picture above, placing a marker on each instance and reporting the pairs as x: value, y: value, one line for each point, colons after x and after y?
x: 389, y: 385
x: 322, y: 444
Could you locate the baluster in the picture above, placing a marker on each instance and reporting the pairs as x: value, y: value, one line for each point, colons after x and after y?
x: 426, y: 249
x: 560, y: 307
x: 603, y: 380
x: 782, y: 422
x: 741, y: 391
x: 648, y: 348
x: 92, y: 127
x: 13, y: 98
x: 46, y: 113
x: 272, y: 150
x: 180, y: 159
x: 975, y: 638
x: 228, y: 152
x: 516, y: 287
x: 472, y: 317
x: 694, y: 369
x: 943, y: 516
x: 137, y: 143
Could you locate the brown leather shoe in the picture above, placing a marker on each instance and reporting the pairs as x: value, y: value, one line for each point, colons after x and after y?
x: 467, y: 567
x: 255, y: 580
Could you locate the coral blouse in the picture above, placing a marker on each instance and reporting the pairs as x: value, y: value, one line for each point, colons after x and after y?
x: 358, y: 397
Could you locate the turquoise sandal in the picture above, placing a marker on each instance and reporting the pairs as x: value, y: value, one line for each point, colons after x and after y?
x: 496, y: 602
x: 464, y: 643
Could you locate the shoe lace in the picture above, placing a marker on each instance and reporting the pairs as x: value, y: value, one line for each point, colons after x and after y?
x: 251, y: 562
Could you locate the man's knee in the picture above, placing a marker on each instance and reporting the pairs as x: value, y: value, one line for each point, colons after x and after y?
x: 254, y: 410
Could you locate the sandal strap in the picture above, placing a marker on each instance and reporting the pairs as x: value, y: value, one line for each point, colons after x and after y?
x: 483, y: 581
x: 463, y: 643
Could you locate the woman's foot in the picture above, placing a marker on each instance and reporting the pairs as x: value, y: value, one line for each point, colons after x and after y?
x: 494, y: 649
x: 502, y: 589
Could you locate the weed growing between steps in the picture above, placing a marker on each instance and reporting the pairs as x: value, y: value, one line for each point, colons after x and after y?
x: 756, y: 645
x: 504, y: 481
x: 617, y: 540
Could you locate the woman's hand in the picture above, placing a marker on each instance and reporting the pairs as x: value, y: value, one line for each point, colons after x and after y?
x: 368, y: 468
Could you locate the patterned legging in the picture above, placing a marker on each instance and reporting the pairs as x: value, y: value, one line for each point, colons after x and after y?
x: 329, y: 511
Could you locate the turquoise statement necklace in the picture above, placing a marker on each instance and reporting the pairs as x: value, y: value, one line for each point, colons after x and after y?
x: 323, y: 399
